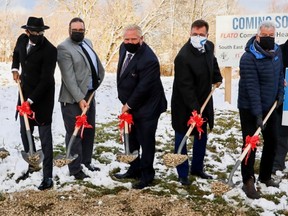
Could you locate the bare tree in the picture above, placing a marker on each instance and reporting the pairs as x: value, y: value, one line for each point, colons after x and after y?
x: 85, y: 9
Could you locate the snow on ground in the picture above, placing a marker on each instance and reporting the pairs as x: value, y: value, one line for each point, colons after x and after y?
x: 108, y: 108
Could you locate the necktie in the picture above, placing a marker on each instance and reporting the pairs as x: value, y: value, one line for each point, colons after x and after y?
x: 124, y: 66
x: 29, y: 47
x: 95, y: 77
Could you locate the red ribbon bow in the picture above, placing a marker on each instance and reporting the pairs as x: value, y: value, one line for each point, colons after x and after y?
x: 81, y: 122
x: 196, y: 119
x: 124, y: 117
x: 253, y: 141
x: 25, y: 109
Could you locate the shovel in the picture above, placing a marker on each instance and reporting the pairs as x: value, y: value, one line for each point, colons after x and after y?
x: 173, y: 160
x: 246, y: 150
x: 127, y: 157
x: 3, y: 153
x: 33, y: 158
x: 62, y: 160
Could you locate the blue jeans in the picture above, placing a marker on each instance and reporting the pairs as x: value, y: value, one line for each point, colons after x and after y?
x: 199, y: 149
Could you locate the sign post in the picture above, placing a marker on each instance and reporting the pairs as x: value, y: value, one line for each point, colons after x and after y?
x: 227, y: 72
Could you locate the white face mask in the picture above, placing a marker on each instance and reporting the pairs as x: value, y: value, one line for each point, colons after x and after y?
x: 198, y: 41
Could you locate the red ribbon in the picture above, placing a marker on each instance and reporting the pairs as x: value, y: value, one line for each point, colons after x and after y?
x: 124, y: 117
x: 253, y: 141
x: 196, y: 119
x: 25, y: 109
x: 81, y: 122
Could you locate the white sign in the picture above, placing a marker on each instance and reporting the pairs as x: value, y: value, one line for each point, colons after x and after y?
x: 233, y: 32
x: 285, y: 103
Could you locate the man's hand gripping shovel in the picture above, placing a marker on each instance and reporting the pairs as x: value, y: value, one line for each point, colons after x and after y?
x: 33, y: 158
x: 173, y: 160
x: 251, y: 143
x: 126, y: 120
x: 81, y: 122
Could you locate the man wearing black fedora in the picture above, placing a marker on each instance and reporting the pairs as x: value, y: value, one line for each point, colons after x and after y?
x: 37, y: 57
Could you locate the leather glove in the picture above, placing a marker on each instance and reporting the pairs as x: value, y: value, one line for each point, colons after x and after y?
x: 259, y: 122
x: 280, y: 100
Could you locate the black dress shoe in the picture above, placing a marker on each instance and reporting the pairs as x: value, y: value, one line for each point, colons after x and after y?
x: 202, y: 175
x: 126, y: 175
x: 47, y: 183
x: 140, y: 185
x: 89, y: 167
x: 184, y: 181
x: 80, y: 175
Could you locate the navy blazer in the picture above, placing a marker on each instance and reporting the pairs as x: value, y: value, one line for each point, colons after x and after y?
x: 140, y: 85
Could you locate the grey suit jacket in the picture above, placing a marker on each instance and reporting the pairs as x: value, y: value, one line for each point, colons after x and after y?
x: 75, y: 70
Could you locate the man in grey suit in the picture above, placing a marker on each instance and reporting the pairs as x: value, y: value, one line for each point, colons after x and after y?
x: 82, y: 73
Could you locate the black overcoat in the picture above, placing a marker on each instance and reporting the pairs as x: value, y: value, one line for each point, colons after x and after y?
x: 195, y: 72
x: 37, y: 76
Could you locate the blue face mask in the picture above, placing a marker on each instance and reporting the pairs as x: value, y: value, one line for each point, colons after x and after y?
x: 198, y: 41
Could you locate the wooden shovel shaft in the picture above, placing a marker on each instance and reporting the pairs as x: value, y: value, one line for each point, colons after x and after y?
x: 193, y: 125
x: 245, y: 151
x: 126, y: 138
x: 26, y: 121
x: 248, y: 147
x: 76, y: 129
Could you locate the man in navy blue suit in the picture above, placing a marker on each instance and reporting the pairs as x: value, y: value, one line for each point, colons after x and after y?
x: 141, y: 92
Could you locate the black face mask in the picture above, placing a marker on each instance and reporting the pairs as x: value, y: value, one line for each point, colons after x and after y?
x: 36, y: 39
x: 267, y: 43
x: 77, y: 36
x: 132, y: 48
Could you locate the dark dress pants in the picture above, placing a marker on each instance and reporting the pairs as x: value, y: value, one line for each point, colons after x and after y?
x: 199, y: 149
x: 270, y: 137
x: 281, y: 152
x: 143, y: 134
x: 83, y: 147
x: 45, y: 135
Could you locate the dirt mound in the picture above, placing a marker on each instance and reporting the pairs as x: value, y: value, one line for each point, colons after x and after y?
x: 84, y: 203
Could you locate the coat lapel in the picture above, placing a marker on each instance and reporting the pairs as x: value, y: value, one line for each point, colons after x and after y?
x: 131, y: 64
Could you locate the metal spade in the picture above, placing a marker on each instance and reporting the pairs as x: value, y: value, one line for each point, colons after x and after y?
x: 33, y: 158
x: 62, y: 160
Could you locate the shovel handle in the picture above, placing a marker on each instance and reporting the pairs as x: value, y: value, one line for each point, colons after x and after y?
x: 248, y: 147
x: 126, y: 138
x: 84, y: 112
x: 26, y: 121
x: 189, y: 131
x: 207, y: 99
x: 76, y: 129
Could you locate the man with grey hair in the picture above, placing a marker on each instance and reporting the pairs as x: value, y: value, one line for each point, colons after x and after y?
x: 261, y: 84
x: 141, y: 92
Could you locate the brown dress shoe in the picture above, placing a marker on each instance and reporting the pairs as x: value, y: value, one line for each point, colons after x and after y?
x: 250, y: 190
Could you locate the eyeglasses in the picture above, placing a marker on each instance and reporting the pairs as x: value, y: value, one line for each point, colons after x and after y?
x: 267, y: 35
x: 35, y: 32
x: 78, y: 30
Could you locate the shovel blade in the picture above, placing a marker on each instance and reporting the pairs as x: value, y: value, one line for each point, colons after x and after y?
x: 230, y: 179
x: 173, y: 160
x: 33, y: 159
x: 126, y: 158
x: 62, y: 160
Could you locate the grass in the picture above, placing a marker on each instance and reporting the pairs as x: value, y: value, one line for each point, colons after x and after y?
x: 227, y: 123
x: 167, y: 185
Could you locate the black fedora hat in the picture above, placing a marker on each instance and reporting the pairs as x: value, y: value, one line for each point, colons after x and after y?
x: 35, y: 24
